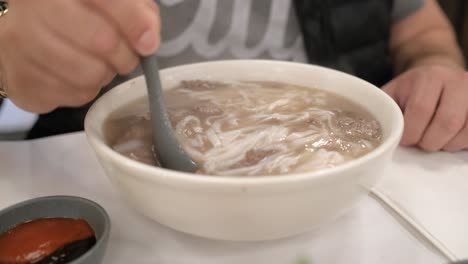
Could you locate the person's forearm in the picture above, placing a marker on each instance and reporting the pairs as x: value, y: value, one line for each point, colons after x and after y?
x: 425, y: 37
x: 436, y: 46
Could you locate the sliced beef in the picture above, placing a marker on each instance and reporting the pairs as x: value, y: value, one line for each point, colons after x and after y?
x: 198, y: 85
x: 314, y: 122
x: 254, y: 156
x: 140, y: 129
x: 207, y: 109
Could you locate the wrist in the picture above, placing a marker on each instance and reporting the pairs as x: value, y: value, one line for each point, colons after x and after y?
x: 438, y: 60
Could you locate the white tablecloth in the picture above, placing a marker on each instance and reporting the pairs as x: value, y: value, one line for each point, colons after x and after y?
x: 66, y: 165
x: 430, y: 190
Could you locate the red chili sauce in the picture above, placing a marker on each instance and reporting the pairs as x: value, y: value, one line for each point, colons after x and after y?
x: 46, y: 240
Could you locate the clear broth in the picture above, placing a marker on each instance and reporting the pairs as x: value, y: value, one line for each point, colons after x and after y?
x: 251, y: 128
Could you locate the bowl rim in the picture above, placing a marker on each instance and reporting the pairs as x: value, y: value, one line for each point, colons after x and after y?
x: 100, y: 241
x: 392, y: 140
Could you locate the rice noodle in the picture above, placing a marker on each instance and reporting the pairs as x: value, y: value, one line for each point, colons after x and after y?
x: 264, y: 125
x: 129, y: 145
x: 266, y: 128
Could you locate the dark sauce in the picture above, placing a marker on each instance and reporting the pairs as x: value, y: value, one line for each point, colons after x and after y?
x: 46, y: 241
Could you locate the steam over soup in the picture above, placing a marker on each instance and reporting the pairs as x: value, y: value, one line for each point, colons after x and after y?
x: 251, y: 128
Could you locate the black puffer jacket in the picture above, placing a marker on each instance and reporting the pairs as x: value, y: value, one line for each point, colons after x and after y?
x: 349, y: 35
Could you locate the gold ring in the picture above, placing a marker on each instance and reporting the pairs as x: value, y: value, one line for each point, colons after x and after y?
x: 3, y: 8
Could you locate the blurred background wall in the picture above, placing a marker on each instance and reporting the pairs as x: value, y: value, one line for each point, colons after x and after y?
x: 457, y: 10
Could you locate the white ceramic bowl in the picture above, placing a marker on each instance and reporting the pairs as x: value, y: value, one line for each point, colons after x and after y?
x: 247, y: 208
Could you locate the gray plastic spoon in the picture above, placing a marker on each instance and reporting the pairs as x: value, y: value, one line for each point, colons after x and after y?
x: 167, y: 149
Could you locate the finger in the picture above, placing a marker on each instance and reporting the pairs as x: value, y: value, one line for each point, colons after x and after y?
x: 137, y: 21
x: 448, y: 120
x: 123, y: 59
x: 420, y: 108
x: 107, y: 80
x: 390, y: 88
x: 399, y: 95
x: 85, y: 28
x: 52, y: 92
x: 38, y: 93
x: 75, y: 67
x: 29, y: 82
x: 459, y: 142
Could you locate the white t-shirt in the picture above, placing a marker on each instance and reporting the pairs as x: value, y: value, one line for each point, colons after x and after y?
x: 200, y: 30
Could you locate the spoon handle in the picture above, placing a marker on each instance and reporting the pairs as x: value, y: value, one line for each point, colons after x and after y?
x: 169, y: 152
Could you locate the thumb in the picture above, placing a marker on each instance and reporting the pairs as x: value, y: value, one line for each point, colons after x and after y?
x: 394, y: 90
x: 391, y: 88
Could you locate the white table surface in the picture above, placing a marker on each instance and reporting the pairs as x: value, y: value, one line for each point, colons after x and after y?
x: 66, y: 165
x: 430, y: 190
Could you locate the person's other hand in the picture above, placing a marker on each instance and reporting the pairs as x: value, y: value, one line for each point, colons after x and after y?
x: 61, y: 53
x: 434, y: 101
